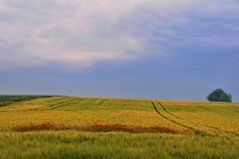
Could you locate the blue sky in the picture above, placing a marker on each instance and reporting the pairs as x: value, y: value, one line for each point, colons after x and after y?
x: 179, y: 49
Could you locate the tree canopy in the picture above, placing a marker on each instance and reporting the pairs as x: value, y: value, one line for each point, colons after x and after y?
x: 219, y: 95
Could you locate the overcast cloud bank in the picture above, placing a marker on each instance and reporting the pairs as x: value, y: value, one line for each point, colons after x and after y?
x: 80, y: 33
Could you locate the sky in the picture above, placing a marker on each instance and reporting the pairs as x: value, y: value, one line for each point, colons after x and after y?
x: 168, y: 49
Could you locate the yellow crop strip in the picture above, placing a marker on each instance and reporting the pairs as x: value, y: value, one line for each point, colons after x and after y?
x: 213, y: 118
x: 127, y: 117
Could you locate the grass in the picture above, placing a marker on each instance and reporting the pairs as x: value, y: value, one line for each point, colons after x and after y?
x: 74, y: 127
x: 70, y: 144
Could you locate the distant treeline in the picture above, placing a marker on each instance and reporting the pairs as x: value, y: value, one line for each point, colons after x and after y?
x: 8, y: 99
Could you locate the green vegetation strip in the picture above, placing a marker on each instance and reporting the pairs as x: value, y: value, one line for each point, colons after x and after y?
x: 9, y: 99
x: 74, y: 145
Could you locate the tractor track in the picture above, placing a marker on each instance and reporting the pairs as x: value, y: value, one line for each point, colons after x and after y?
x: 57, y: 105
x: 102, y: 101
x: 168, y: 111
x: 212, y: 127
x: 196, y: 131
x: 46, y: 107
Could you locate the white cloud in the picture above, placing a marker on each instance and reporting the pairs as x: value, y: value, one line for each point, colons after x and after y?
x: 83, y: 32
x: 75, y: 32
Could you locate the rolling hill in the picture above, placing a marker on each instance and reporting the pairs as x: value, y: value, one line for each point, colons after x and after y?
x: 80, y: 127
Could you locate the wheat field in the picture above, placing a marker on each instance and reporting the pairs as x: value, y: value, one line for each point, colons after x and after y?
x: 79, y: 127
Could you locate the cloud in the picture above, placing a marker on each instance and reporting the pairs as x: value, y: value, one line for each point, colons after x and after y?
x: 182, y: 24
x: 82, y: 33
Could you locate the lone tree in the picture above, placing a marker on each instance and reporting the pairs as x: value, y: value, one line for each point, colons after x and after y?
x: 219, y: 95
